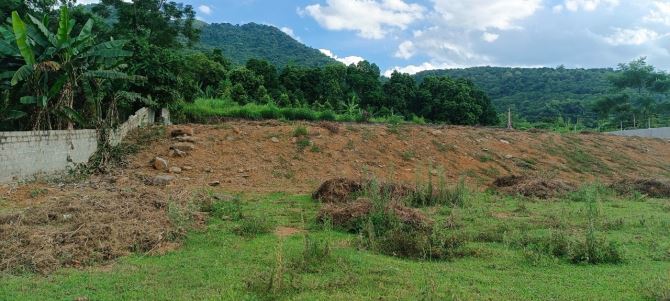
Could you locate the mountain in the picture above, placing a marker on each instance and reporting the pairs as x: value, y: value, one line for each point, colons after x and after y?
x: 536, y: 93
x: 240, y: 43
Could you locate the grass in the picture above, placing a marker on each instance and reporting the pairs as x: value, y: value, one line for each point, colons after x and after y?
x: 218, y: 264
x: 204, y: 110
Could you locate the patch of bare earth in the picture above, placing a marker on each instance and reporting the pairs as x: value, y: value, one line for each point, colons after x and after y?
x: 45, y: 225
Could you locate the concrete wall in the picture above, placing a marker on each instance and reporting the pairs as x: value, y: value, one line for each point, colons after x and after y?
x: 26, y: 155
x: 142, y: 117
x: 663, y: 133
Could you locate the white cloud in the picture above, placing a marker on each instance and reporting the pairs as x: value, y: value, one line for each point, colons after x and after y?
x: 557, y: 8
x: 588, y: 5
x: 405, y: 50
x: 345, y: 60
x: 659, y: 14
x: 485, y: 14
x: 634, y: 36
x: 372, y: 19
x: 414, y: 69
x: 205, y: 9
x: 289, y: 31
x: 490, y: 37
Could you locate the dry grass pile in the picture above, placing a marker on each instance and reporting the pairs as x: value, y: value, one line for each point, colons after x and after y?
x: 537, y: 187
x: 650, y: 187
x: 80, y: 230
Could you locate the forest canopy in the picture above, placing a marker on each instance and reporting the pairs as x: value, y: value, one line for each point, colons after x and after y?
x: 91, y: 66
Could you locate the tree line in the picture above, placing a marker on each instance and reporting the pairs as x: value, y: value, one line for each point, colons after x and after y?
x: 91, y: 66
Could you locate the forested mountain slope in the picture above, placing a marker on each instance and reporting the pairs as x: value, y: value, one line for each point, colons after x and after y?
x: 536, y: 93
x: 240, y: 43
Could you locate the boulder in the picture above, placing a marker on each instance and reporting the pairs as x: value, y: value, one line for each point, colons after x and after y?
x: 161, y: 180
x: 160, y: 164
x: 182, y: 131
x: 183, y: 146
x: 177, y: 153
x: 189, y: 139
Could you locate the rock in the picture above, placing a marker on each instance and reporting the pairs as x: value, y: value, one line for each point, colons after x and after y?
x: 162, y: 180
x: 182, y: 131
x: 214, y: 183
x: 436, y: 133
x: 187, y: 168
x: 294, y: 140
x: 183, y: 146
x: 208, y: 170
x: 230, y: 138
x: 189, y: 139
x: 275, y: 140
x: 177, y: 153
x: 175, y: 169
x: 509, y: 156
x: 237, y: 131
x: 503, y: 141
x: 160, y: 164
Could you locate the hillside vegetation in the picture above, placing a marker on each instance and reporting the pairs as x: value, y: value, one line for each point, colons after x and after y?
x: 240, y: 43
x: 536, y: 93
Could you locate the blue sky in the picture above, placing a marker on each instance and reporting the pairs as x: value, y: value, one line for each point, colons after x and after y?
x: 413, y: 35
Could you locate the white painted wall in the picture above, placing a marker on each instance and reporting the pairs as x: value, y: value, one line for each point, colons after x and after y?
x: 26, y: 155
x: 663, y: 133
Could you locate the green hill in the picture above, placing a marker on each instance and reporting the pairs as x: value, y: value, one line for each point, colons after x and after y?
x: 240, y: 43
x: 536, y: 93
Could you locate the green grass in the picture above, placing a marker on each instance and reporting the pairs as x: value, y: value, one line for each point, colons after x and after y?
x: 205, y: 110
x: 218, y: 264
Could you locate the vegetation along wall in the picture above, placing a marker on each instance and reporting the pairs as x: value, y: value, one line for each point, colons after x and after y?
x: 26, y: 155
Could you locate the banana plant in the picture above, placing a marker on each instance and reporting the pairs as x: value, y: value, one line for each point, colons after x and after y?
x: 57, y: 64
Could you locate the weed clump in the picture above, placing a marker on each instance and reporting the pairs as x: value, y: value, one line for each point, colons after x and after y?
x: 389, y: 227
x: 251, y: 226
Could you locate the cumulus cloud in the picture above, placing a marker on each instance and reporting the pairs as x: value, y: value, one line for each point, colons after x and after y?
x: 372, y: 19
x: 289, y: 31
x: 485, y: 14
x: 205, y: 9
x: 631, y: 36
x: 490, y: 37
x: 345, y: 60
x: 405, y: 50
x: 660, y: 13
x: 588, y: 5
x: 414, y: 69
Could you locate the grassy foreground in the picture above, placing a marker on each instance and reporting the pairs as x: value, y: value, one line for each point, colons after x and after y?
x: 238, y: 257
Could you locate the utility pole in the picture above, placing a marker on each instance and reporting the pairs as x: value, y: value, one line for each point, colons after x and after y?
x: 509, y: 119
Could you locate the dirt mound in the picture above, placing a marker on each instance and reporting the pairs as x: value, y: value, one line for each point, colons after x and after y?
x: 351, y: 216
x: 532, y: 186
x: 84, y: 229
x: 344, y: 190
x: 339, y: 190
x: 651, y: 187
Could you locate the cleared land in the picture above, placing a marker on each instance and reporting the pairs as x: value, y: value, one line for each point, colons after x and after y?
x: 263, y: 244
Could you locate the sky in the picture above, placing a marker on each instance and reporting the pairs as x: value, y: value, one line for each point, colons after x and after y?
x: 415, y: 35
